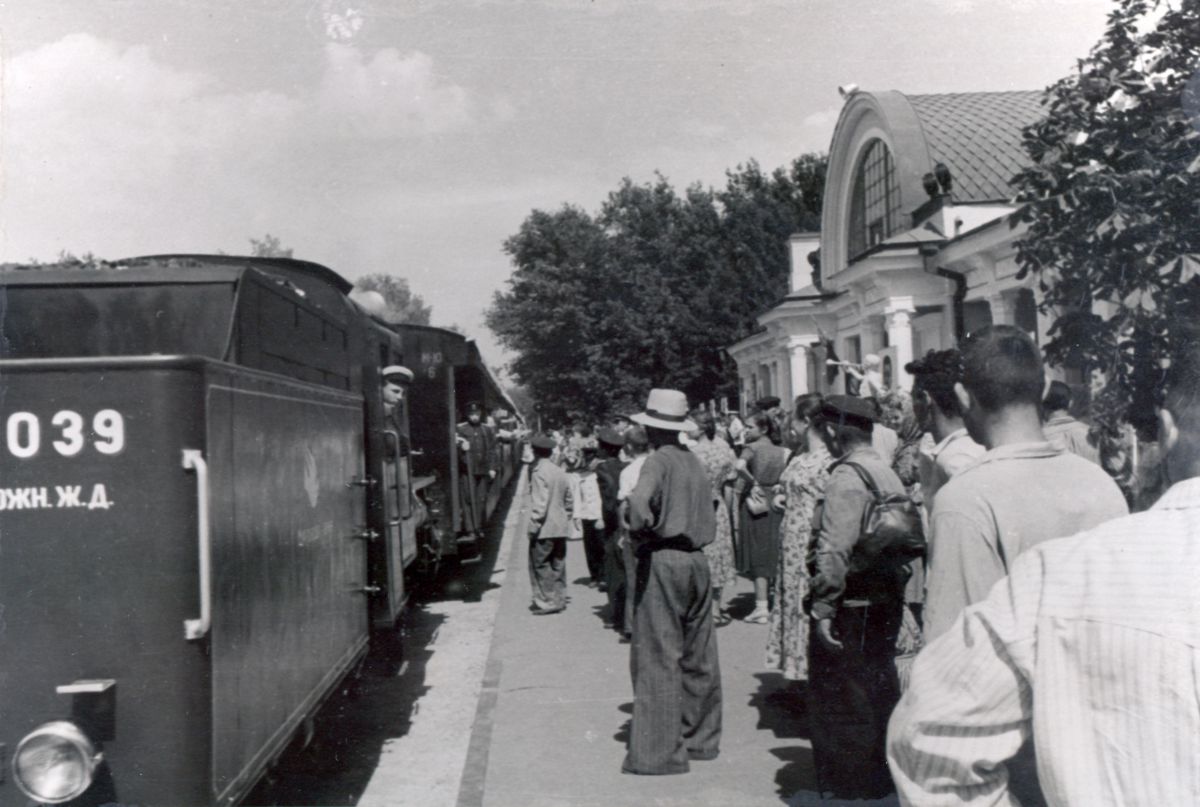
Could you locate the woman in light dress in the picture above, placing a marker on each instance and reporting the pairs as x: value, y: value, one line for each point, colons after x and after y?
x: 800, y: 488
x: 718, y: 459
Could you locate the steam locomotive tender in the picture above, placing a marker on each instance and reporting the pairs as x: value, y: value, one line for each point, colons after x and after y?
x: 204, y: 513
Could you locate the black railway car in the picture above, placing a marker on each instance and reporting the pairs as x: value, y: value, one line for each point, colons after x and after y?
x: 449, y: 374
x: 203, y: 512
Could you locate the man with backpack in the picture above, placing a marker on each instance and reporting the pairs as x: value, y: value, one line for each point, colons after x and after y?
x: 857, y: 601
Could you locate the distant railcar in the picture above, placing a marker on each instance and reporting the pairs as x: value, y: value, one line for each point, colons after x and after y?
x: 449, y: 375
x: 204, y: 511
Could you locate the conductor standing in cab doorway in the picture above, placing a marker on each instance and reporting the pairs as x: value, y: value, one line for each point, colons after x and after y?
x: 477, y: 461
x: 396, y: 380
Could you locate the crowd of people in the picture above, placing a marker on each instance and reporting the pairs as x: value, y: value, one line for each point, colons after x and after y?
x: 901, y: 547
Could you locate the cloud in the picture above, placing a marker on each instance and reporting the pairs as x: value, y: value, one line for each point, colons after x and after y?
x: 967, y: 6
x: 388, y: 94
x: 108, y: 143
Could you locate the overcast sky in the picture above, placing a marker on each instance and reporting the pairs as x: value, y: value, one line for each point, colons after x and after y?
x: 414, y: 136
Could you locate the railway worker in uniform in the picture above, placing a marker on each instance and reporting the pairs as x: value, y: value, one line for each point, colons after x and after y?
x: 478, y: 460
x: 676, y: 675
x: 396, y: 380
x: 550, y: 508
x: 856, y: 615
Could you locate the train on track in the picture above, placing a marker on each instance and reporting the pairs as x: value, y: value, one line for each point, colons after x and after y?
x: 206, y: 512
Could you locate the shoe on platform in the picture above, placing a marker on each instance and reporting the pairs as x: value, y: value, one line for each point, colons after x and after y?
x: 558, y: 609
x: 758, y: 618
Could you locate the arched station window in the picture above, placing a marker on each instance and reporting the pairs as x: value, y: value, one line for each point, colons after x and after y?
x: 875, y: 200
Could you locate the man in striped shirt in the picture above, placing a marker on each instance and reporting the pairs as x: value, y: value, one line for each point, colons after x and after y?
x: 1090, y: 648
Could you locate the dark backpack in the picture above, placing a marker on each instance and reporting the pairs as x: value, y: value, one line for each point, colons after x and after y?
x: 892, y: 534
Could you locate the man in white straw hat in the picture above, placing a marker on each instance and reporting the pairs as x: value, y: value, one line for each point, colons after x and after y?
x: 676, y: 675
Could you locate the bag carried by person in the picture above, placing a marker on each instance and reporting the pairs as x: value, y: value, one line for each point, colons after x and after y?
x: 891, y: 533
x: 756, y: 501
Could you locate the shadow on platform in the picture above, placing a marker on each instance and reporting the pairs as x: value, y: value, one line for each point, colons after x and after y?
x: 781, y: 706
x: 368, y: 710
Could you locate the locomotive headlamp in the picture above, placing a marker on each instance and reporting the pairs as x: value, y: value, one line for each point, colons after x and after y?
x: 56, y: 762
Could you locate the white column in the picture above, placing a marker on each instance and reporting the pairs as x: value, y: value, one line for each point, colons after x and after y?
x: 899, y: 329
x: 798, y: 362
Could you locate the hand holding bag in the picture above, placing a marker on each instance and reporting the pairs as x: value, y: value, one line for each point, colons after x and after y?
x: 756, y: 501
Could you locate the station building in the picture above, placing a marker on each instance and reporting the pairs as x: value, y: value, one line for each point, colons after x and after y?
x: 915, y: 247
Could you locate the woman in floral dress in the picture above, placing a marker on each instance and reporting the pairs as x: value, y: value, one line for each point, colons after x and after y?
x: 801, y: 486
x: 718, y: 459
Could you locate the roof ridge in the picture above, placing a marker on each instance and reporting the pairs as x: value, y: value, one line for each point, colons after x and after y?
x: 971, y: 94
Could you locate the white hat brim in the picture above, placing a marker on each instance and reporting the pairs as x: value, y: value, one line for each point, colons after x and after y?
x: 643, y: 419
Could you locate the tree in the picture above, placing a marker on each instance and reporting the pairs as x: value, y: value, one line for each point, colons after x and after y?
x: 649, y: 291
x: 1110, y: 200
x: 65, y: 260
x: 402, y: 305
x: 268, y: 247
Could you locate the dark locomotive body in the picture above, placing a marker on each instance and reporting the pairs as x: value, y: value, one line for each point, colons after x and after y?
x: 204, y: 511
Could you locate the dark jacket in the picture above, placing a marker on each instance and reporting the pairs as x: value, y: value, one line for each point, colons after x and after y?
x: 608, y: 476
x: 483, y: 453
x: 839, y: 530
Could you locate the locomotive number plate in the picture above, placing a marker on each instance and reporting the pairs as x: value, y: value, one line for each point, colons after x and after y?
x: 66, y: 433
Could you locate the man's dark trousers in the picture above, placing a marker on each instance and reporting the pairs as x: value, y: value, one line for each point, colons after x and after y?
x: 593, y: 549
x: 676, y: 674
x: 851, y: 695
x: 473, y: 494
x: 614, y: 575
x: 548, y: 571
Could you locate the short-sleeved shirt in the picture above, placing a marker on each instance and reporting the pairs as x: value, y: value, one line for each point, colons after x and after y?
x: 1011, y: 499
x: 673, y: 499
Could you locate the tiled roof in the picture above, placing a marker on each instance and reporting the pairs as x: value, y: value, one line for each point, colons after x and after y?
x: 978, y: 136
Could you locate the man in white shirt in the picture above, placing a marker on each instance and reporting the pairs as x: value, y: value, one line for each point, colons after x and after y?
x: 1090, y: 647
x: 1021, y: 492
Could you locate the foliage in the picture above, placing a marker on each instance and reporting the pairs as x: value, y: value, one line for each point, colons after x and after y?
x: 1110, y: 200
x: 65, y: 260
x: 649, y: 291
x: 269, y: 247
x: 402, y: 305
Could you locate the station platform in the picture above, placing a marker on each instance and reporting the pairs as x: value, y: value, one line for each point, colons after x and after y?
x: 556, y: 698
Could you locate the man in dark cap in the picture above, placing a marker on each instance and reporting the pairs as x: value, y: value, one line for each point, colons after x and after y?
x: 478, y: 459
x: 856, y: 615
x: 769, y: 404
x: 608, y: 476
